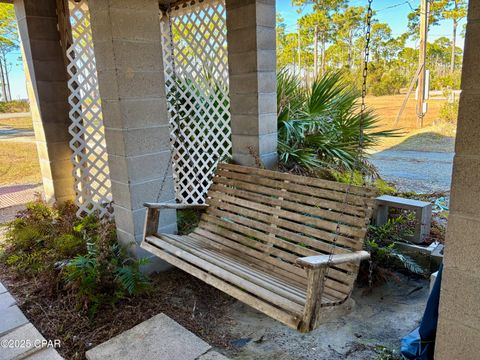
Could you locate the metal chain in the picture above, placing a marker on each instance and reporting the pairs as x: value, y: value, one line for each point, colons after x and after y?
x: 170, y: 159
x: 363, y: 108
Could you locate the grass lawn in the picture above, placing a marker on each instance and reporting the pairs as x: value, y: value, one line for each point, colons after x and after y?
x: 18, y: 163
x: 17, y: 123
x: 434, y: 136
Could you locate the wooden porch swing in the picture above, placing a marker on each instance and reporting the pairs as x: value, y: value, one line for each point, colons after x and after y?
x: 287, y: 245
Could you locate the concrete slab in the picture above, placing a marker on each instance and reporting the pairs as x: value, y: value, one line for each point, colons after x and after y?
x: 212, y: 355
x: 157, y: 338
x: 3, y: 289
x: 10, y: 319
x: 6, y: 300
x: 24, y: 341
x: 45, y: 354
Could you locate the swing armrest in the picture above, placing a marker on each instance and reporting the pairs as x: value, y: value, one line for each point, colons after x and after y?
x: 319, y: 261
x: 174, y: 206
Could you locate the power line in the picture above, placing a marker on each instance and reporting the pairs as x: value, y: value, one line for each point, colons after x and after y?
x: 396, y: 5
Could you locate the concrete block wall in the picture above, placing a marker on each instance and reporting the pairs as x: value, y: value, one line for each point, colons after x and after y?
x: 458, y: 335
x: 48, y: 93
x: 126, y: 37
x: 251, y: 40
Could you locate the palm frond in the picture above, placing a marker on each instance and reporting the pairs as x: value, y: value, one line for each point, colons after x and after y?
x: 320, y: 126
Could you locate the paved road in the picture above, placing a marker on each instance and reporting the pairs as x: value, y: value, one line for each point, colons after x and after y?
x: 15, y: 115
x: 422, y: 172
x: 8, y: 133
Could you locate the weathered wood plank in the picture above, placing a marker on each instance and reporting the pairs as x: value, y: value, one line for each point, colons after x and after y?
x: 313, y: 302
x: 355, y: 210
x: 313, y: 262
x: 284, y: 317
x: 211, y: 223
x: 151, y: 222
x: 307, y: 220
x: 305, y: 180
x: 174, y: 206
x: 292, y: 274
x: 284, y: 203
x: 338, y: 281
x: 303, y: 189
x: 324, y: 237
x: 227, y: 276
x: 260, y: 278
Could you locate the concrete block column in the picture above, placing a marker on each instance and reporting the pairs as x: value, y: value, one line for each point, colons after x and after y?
x: 48, y: 93
x: 127, y: 44
x: 458, y: 334
x: 252, y: 68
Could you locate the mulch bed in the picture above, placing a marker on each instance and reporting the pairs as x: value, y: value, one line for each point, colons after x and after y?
x: 193, y: 304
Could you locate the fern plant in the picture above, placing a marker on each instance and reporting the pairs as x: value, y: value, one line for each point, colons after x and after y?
x: 381, y: 240
x: 106, y: 273
x: 39, y: 236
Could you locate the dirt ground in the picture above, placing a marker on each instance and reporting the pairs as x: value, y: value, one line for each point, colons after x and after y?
x: 193, y: 304
x: 375, y: 321
x: 357, y: 330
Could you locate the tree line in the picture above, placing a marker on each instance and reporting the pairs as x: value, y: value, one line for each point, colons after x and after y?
x: 8, y: 43
x: 331, y: 37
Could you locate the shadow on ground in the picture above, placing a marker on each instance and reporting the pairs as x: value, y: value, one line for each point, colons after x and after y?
x: 421, y: 163
x: 378, y: 319
x: 427, y: 141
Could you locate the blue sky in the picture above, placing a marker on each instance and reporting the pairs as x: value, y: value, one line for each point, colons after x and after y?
x: 393, y: 12
x: 386, y: 11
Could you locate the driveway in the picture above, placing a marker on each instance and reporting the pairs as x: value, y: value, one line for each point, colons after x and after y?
x: 418, y: 171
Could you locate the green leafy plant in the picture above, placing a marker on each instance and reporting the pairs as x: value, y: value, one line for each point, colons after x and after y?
x: 385, y: 256
x: 40, y: 236
x: 187, y: 220
x: 359, y: 180
x: 14, y: 106
x: 51, y: 241
x: 319, y: 126
x: 384, y: 353
x: 449, y: 111
x: 106, y: 273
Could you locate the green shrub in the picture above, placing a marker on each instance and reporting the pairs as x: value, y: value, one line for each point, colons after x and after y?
x: 380, y: 242
x: 389, y: 83
x: 14, y: 106
x: 187, y: 220
x: 359, y: 180
x: 33, y: 240
x: 51, y: 241
x: 105, y: 274
x: 449, y: 112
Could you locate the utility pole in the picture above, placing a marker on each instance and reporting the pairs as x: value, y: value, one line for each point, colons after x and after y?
x: 315, y: 57
x: 424, y: 17
x: 299, y: 54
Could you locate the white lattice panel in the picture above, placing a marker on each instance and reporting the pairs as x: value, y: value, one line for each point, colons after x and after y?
x: 90, y: 159
x: 194, y: 40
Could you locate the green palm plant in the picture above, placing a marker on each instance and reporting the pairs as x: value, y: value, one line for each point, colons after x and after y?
x: 319, y: 126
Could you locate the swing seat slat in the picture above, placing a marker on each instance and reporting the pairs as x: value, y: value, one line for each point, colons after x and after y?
x: 266, y: 238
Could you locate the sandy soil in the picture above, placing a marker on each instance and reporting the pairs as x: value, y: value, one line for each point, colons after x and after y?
x: 379, y: 319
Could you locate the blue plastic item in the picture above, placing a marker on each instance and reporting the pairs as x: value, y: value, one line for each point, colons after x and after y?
x: 420, y: 343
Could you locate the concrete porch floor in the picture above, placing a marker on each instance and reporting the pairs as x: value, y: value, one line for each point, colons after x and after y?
x: 156, y: 338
